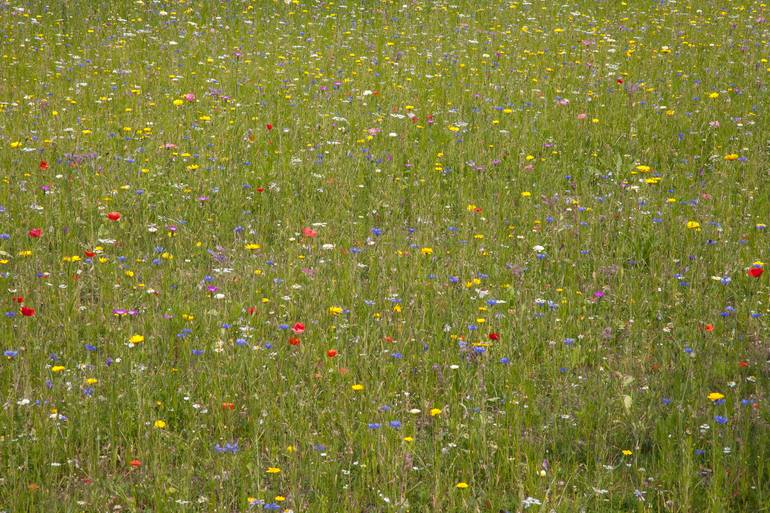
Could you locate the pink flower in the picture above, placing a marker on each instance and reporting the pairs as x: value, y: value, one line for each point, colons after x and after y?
x: 309, y: 232
x: 298, y: 328
x: 582, y: 116
x: 190, y: 97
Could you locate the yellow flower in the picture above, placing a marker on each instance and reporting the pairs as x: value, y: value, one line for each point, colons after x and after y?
x: 731, y: 156
x: 280, y: 498
x: 408, y: 439
x: 715, y: 396
x: 435, y: 411
x: 57, y: 368
x: 693, y: 225
x: 526, y: 194
x: 643, y: 169
x: 91, y: 381
x: 357, y: 387
x: 713, y: 95
x: 252, y: 246
x: 273, y: 470
x: 461, y: 485
x: 15, y: 144
x: 178, y: 102
x: 160, y: 424
x: 426, y: 251
x: 626, y: 452
x: 136, y: 339
x: 335, y: 310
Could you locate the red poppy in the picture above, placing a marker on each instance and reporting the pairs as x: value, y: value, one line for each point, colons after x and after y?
x: 619, y: 81
x: 709, y: 327
x: 35, y: 233
x: 43, y: 165
x: 251, y: 310
x: 269, y: 126
x: 331, y: 353
x: 135, y: 463
x: 228, y: 406
x: 309, y: 232
x: 19, y: 299
x: 89, y: 254
x: 113, y: 216
x: 260, y: 189
x: 298, y: 328
x: 743, y: 364
x: 494, y: 336
x: 389, y: 339
x: 27, y: 311
x: 756, y: 272
x: 294, y: 341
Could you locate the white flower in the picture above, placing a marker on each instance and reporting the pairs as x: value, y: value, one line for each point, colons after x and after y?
x: 531, y: 501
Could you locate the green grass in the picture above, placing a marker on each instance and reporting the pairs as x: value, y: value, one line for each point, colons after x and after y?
x: 467, y: 169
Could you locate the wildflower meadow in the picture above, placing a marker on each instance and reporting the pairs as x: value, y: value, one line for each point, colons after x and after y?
x: 366, y: 256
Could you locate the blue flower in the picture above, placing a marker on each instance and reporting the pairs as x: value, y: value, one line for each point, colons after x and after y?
x: 228, y: 447
x: 720, y: 419
x: 395, y: 424
x: 10, y: 354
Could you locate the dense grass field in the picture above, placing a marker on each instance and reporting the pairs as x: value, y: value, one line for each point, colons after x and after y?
x: 384, y: 256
